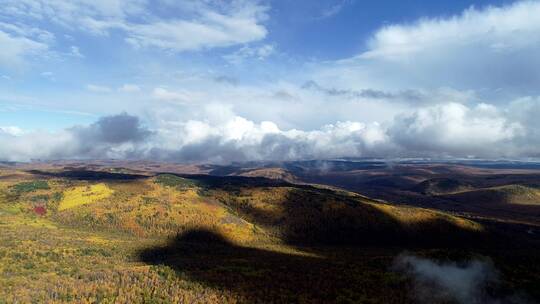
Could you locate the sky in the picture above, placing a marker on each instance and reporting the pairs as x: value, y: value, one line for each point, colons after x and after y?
x: 254, y: 80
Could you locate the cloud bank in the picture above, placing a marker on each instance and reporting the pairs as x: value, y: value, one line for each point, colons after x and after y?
x: 442, y: 130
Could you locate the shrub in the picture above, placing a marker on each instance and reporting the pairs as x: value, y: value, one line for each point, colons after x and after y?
x: 170, y: 180
x: 30, y: 186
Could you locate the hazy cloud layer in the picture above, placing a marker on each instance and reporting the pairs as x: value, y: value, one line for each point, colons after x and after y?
x: 442, y: 130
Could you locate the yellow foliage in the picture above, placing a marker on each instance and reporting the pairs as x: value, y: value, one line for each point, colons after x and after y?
x: 83, y: 195
x: 413, y: 215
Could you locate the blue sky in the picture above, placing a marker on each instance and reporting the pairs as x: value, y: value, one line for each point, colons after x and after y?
x: 312, y: 79
x: 303, y: 28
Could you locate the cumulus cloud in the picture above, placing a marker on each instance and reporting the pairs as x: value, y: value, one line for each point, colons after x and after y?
x: 239, y: 139
x: 455, y: 129
x: 110, y: 137
x: 457, y: 86
x: 446, y: 130
x: 232, y: 139
x: 492, y: 50
x: 116, y: 129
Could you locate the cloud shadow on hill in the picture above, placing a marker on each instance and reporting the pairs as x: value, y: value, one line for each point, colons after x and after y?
x: 331, y: 257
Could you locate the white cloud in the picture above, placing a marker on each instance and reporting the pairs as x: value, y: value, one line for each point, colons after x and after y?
x: 247, y: 52
x: 180, y: 96
x: 30, y: 32
x: 11, y: 130
x: 75, y: 52
x: 129, y: 88
x: 48, y: 75
x: 494, y: 51
x: 455, y: 129
x: 16, y: 50
x: 418, y: 89
x: 81, y: 14
x: 500, y: 29
x: 220, y: 135
x: 335, y: 9
x: 98, y: 88
x: 438, y: 282
x: 210, y: 30
x: 203, y: 26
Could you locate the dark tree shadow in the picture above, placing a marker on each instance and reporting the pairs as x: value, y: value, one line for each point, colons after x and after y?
x: 256, y: 275
x: 347, y: 252
x: 334, y: 255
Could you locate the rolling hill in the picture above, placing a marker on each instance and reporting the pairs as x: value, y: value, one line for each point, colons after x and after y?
x: 243, y: 209
x: 437, y: 186
x: 501, y: 195
x: 121, y: 236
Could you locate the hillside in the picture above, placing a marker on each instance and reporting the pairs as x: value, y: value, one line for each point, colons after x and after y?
x: 438, y: 186
x: 270, y: 173
x: 87, y: 236
x: 264, y: 210
x: 508, y: 194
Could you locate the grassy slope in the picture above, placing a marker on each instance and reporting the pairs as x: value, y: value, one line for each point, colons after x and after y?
x: 508, y: 194
x: 92, y: 252
x: 442, y: 186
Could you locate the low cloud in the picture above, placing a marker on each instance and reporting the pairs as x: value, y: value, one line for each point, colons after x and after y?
x: 117, y: 129
x: 410, y: 95
x: 415, y: 97
x: 219, y: 135
x: 465, y: 283
x: 454, y: 129
x: 118, y: 136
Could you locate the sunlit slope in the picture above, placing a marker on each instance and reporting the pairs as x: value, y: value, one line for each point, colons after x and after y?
x: 83, y: 195
x: 239, y: 208
x: 161, y: 206
x: 509, y: 194
x: 311, y: 215
x: 437, y: 186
